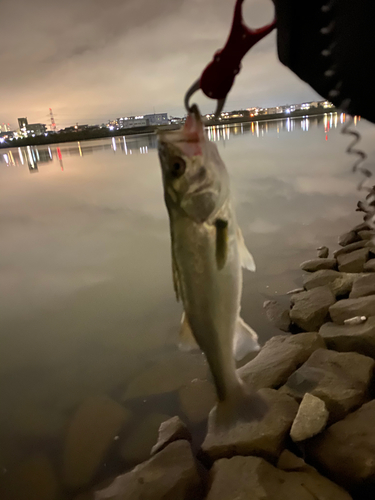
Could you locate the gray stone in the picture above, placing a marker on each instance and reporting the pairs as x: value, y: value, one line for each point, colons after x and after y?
x: 348, y: 238
x: 353, y: 262
x: 320, y: 278
x: 167, y: 375
x: 310, y: 309
x: 135, y: 447
x: 340, y: 379
x: 278, y: 359
x: 265, y: 438
x: 90, y: 434
x: 346, y: 450
x: 369, y: 266
x: 311, y: 418
x: 347, y: 338
x: 323, y: 252
x: 363, y: 286
x: 348, y: 308
x: 366, y: 235
x: 197, y: 399
x: 277, y: 315
x: 252, y: 478
x: 317, y: 264
x: 169, y: 431
x: 349, y: 248
x: 169, y: 475
x: 343, y: 284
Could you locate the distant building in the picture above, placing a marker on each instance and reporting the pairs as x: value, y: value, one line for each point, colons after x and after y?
x: 22, y: 123
x: 132, y: 121
x: 35, y: 128
x: 157, y: 119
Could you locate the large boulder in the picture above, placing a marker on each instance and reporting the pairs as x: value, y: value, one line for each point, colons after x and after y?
x: 169, y: 431
x: 341, y: 379
x: 167, y: 375
x: 265, y: 438
x: 278, y: 359
x: 346, y: 338
x: 317, y: 264
x: 346, y: 450
x: 90, y: 434
x: 136, y: 445
x: 363, y: 286
x: 169, y: 475
x: 277, y: 315
x: 366, y: 235
x: 349, y: 248
x: 348, y: 238
x: 320, y: 278
x: 245, y: 478
x: 349, y: 308
x: 310, y: 309
x: 311, y: 418
x: 353, y: 262
x: 197, y: 399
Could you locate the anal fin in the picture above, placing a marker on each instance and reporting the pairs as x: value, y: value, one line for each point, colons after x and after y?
x: 245, y: 340
x: 187, y: 341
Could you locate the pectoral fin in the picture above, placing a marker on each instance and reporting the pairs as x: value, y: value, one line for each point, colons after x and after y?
x: 187, y: 340
x: 246, y: 258
x: 221, y: 242
x: 245, y: 340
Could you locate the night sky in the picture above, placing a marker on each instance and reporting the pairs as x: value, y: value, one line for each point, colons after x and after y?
x: 92, y: 60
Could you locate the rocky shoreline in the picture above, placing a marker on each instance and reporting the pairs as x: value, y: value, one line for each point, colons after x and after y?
x: 318, y: 439
x: 317, y: 442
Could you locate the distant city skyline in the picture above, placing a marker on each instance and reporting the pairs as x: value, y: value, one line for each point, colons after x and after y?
x: 86, y: 60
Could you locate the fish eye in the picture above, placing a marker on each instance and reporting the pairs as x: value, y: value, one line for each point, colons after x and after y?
x: 178, y: 167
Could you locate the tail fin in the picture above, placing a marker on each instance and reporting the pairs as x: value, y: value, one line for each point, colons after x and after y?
x: 245, y: 340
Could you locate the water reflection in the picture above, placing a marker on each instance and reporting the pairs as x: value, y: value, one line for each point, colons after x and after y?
x: 33, y: 156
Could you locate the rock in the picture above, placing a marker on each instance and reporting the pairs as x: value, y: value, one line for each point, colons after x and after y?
x: 265, y: 438
x: 278, y: 359
x: 340, y: 379
x: 343, y: 284
x: 136, y: 445
x: 167, y: 375
x: 369, y: 266
x: 363, y: 286
x: 252, y: 478
x: 348, y: 238
x: 317, y: 264
x: 169, y: 431
x: 366, y: 235
x: 311, y: 418
x: 310, y: 308
x: 90, y: 434
x: 349, y: 248
x: 323, y: 252
x: 34, y: 479
x: 197, y: 399
x: 289, y: 461
x: 348, y: 308
x: 347, y: 338
x: 346, y: 450
x: 320, y: 278
x: 277, y: 315
x: 363, y: 226
x: 169, y: 475
x: 353, y: 262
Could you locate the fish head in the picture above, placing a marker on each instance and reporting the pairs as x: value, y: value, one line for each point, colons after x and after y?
x: 194, y: 176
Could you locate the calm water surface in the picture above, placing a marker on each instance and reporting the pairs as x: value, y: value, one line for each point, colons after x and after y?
x: 87, y: 301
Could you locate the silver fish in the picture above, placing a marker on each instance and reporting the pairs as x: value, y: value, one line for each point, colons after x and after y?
x: 208, y: 251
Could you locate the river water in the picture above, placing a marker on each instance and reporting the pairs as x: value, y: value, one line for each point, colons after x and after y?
x: 87, y: 302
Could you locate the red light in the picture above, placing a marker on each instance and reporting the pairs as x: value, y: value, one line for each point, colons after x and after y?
x: 326, y: 137
x: 59, y: 155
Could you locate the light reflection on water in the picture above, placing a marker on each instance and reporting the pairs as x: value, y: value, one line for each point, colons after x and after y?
x: 86, y: 290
